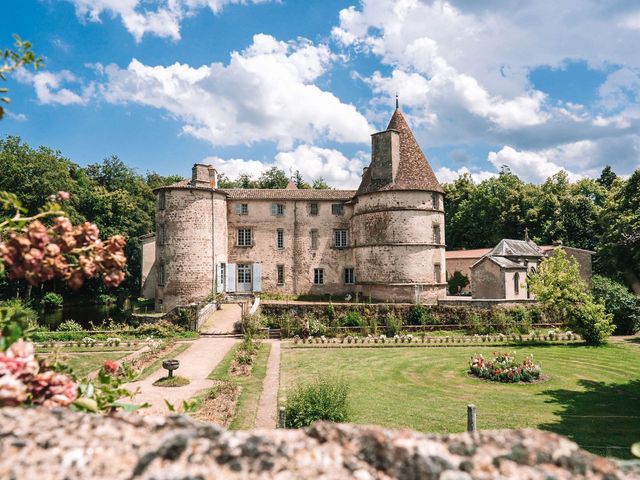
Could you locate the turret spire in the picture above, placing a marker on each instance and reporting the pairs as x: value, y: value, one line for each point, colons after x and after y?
x: 397, y: 103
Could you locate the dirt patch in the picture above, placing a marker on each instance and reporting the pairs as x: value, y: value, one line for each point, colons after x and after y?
x: 219, y: 404
x: 171, y: 382
x: 146, y: 358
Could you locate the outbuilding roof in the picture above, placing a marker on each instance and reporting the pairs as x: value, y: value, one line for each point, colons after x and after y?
x: 414, y: 172
x: 516, y: 248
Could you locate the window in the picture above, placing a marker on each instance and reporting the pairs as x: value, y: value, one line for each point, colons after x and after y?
x: 437, y: 273
x: 242, y: 208
x: 162, y: 235
x: 340, y: 238
x: 161, y: 275
x: 314, y: 239
x: 349, y: 277
x: 280, y: 238
x: 280, y: 271
x: 244, y: 237
x: 337, y: 208
x: 435, y: 201
x: 436, y: 234
x: 318, y: 276
x: 313, y: 209
x: 277, y: 209
x: 162, y: 198
x: 516, y: 283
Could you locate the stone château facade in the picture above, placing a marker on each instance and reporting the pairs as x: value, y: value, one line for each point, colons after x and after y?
x: 385, y: 241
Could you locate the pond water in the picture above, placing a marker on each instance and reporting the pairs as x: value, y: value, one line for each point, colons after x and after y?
x: 85, y: 315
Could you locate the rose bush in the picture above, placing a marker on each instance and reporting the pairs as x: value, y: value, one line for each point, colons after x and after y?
x: 503, y: 368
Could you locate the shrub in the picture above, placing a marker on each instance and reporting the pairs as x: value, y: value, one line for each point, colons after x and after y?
x: 351, y: 319
x: 503, y: 368
x: 105, y: 299
x: 393, y: 324
x: 52, y: 301
x: 619, y: 302
x: 14, y: 308
x: 316, y: 327
x: 69, y: 326
x: 421, y: 315
x: 592, y: 322
x: 252, y: 325
x: 322, y: 400
x: 163, y: 328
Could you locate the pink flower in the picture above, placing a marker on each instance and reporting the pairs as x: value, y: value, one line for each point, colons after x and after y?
x: 53, y: 389
x: 110, y: 367
x: 64, y: 196
x: 12, y: 391
x: 19, y: 360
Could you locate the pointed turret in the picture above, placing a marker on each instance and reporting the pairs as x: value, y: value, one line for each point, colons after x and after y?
x: 405, y: 165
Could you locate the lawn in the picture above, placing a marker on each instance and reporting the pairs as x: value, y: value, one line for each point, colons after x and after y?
x: 592, y: 394
x: 251, y: 386
x: 84, y: 363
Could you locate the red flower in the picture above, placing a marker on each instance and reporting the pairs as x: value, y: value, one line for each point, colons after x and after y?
x: 110, y: 367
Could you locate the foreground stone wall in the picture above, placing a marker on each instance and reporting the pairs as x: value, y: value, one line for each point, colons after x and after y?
x: 41, y: 444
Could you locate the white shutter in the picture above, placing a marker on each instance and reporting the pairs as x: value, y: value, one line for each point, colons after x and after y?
x: 231, y: 277
x: 238, y: 208
x: 219, y: 279
x: 257, y: 277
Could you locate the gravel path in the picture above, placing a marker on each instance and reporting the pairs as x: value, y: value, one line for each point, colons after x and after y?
x: 223, y: 320
x: 196, y: 363
x: 268, y: 404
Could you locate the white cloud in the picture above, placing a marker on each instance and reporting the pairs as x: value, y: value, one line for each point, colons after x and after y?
x: 18, y: 117
x: 50, y: 90
x: 447, y: 175
x: 265, y: 93
x: 156, y: 17
x: 312, y: 162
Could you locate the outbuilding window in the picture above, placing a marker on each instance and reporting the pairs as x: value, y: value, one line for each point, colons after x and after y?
x: 280, y: 272
x: 314, y: 239
x: 516, y: 283
x: 437, y: 273
x: 242, y: 208
x: 337, y: 208
x: 435, y: 201
x: 314, y: 209
x: 436, y: 234
x: 161, y: 275
x: 162, y: 198
x: 280, y: 238
x: 349, y: 277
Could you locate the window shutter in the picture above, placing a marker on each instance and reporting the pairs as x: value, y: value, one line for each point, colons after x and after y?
x: 219, y: 279
x: 231, y: 277
x: 238, y: 208
x: 274, y: 209
x: 257, y: 277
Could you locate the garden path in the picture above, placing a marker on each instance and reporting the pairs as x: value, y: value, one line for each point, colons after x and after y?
x: 196, y: 363
x: 223, y: 320
x: 268, y: 404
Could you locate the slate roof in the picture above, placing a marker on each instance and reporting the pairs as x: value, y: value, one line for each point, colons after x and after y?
x: 270, y: 194
x: 516, y: 248
x: 414, y: 172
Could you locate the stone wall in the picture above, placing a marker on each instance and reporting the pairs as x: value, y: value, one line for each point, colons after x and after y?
x: 42, y: 444
x: 148, y: 280
x: 487, y: 280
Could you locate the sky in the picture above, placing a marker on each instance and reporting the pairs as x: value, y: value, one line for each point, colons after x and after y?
x: 538, y: 86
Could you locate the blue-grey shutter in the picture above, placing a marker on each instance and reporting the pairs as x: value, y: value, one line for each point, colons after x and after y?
x: 257, y: 277
x: 274, y: 209
x: 238, y: 208
x: 231, y: 277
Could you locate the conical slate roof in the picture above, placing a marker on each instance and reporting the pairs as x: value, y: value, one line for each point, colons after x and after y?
x: 414, y: 172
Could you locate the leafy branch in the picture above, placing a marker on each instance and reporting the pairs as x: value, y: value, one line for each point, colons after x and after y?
x: 22, y: 56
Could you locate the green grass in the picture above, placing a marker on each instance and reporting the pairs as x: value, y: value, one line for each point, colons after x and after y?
x: 591, y: 396
x: 85, y: 363
x: 175, y: 381
x: 251, y: 386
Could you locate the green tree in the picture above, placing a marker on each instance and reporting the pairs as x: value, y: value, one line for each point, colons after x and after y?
x: 273, y: 178
x: 564, y: 298
x: 619, y: 302
x: 22, y: 56
x: 299, y: 181
x: 607, y: 177
x: 619, y: 246
x: 457, y: 282
x: 320, y: 184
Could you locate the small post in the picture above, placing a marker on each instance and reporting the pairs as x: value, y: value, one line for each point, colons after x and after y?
x: 471, y: 418
x: 282, y: 417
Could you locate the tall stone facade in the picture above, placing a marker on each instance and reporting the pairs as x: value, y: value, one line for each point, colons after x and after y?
x: 384, y: 241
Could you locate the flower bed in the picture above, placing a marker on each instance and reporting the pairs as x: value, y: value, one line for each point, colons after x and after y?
x: 383, y: 340
x: 504, y: 368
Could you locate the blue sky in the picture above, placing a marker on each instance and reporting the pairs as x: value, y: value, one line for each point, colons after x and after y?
x: 301, y: 84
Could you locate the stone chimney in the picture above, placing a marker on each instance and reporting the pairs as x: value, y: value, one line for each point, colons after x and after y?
x: 385, y: 156
x: 213, y: 177
x: 200, y: 175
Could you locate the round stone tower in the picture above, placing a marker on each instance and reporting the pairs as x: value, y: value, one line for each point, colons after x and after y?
x: 191, y: 239
x: 398, y: 221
